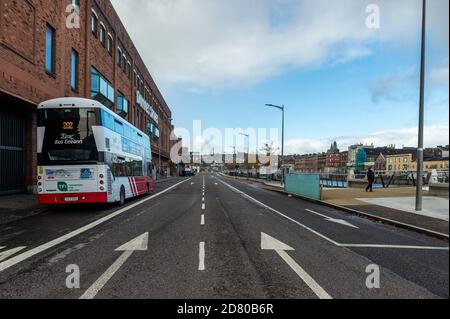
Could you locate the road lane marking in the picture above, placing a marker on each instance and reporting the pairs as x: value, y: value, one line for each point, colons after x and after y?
x: 202, y: 221
x: 333, y: 220
x: 325, y: 237
x: 203, y: 199
x: 201, y: 257
x: 270, y: 243
x: 394, y: 246
x: 24, y: 256
x: 203, y: 206
x: 138, y: 244
x: 6, y: 254
x: 1, y: 247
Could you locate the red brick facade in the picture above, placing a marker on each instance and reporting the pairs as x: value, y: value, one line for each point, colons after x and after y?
x: 25, y: 82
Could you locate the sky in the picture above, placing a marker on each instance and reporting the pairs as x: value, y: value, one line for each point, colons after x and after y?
x: 221, y: 61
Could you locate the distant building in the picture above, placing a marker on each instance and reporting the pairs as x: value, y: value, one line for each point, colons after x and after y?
x: 311, y: 163
x: 352, y: 150
x: 333, y: 149
x: 400, y: 162
x: 367, y: 157
x: 336, y: 161
x: 437, y: 152
x: 380, y: 163
x: 430, y: 163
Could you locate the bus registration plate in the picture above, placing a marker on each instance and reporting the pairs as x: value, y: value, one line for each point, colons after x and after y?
x: 71, y: 199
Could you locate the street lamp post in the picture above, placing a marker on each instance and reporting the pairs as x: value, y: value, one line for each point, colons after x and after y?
x: 421, y: 113
x: 248, y: 150
x: 282, y: 138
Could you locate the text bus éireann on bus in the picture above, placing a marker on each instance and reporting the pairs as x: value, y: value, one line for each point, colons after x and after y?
x: 89, y: 154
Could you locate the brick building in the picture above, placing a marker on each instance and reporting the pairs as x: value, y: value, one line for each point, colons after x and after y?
x: 45, y: 54
x: 311, y: 163
x: 337, y: 162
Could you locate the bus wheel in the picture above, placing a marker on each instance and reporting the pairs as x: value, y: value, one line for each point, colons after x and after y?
x: 122, y: 196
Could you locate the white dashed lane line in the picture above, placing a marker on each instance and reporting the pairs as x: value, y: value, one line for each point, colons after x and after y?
x: 201, y: 257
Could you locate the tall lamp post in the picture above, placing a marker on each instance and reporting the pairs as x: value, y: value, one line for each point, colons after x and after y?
x: 421, y: 112
x: 282, y: 138
x: 248, y: 149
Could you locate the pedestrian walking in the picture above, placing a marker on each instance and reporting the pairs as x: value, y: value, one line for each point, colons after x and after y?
x: 370, y: 179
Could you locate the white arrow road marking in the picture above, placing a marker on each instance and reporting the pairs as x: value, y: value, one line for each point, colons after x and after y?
x: 279, y: 213
x: 4, y: 255
x: 201, y: 257
x: 138, y: 244
x: 24, y: 256
x: 270, y: 243
x: 333, y: 220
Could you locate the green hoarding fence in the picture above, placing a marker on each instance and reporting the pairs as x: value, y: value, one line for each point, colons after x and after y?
x: 305, y: 185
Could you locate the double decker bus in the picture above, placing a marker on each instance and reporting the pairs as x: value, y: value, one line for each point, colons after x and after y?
x: 89, y: 154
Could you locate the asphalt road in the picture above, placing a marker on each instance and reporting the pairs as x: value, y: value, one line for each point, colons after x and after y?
x: 214, y: 237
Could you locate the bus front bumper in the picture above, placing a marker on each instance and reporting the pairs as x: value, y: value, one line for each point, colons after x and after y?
x: 75, y: 198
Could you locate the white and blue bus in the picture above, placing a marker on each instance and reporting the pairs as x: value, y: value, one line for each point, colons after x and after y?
x: 89, y: 154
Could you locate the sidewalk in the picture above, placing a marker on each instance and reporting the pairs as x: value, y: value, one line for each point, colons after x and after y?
x: 14, y: 207
x: 396, y: 204
x: 392, y: 205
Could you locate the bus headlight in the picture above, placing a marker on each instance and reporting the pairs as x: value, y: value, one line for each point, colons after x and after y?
x: 102, y: 182
x: 102, y: 188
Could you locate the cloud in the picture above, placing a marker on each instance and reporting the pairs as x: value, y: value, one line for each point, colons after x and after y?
x: 439, y: 75
x: 216, y: 44
x: 395, y: 87
x: 404, y: 85
x: 434, y: 135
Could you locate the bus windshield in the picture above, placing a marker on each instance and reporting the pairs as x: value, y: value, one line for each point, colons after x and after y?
x: 68, y: 135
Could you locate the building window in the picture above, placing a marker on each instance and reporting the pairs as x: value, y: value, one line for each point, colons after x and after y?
x: 50, y: 49
x: 138, y: 118
x: 110, y: 44
x: 122, y: 105
x: 129, y: 69
x: 94, y: 23
x: 102, y: 35
x: 101, y: 89
x: 119, y: 57
x: 124, y: 64
x: 74, y: 70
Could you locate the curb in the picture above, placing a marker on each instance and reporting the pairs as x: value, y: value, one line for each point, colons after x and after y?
x: 383, y: 220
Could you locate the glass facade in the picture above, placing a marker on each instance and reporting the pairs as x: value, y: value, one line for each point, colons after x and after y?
x: 74, y: 70
x: 101, y: 89
x: 122, y: 105
x: 50, y: 49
